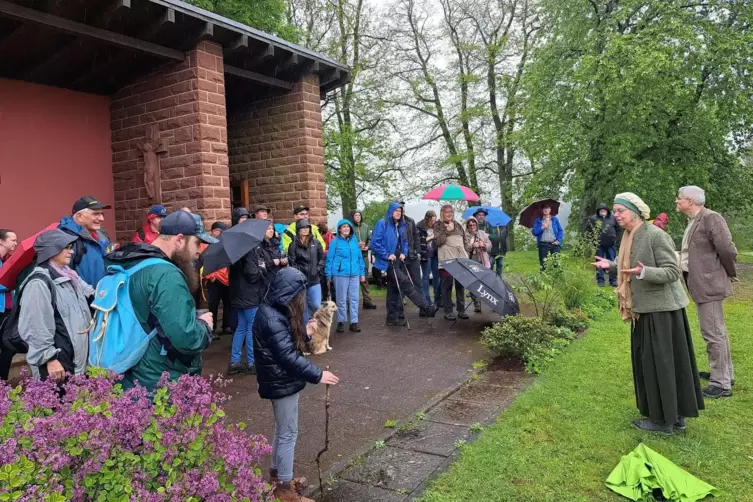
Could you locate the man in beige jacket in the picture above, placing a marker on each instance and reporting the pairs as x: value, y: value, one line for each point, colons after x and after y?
x: 707, y: 259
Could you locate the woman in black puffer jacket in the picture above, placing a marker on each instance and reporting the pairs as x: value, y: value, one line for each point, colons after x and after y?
x: 306, y: 254
x: 282, y: 372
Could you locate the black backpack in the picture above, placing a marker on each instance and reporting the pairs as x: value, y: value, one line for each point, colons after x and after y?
x: 11, y: 339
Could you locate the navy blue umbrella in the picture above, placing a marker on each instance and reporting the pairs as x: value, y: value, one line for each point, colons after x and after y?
x: 235, y: 243
x: 483, y: 283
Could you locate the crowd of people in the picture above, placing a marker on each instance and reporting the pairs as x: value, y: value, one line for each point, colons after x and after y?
x: 270, y: 295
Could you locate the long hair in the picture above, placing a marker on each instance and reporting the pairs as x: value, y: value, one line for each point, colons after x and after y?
x: 305, y: 240
x: 445, y: 208
x: 295, y: 317
x: 428, y: 216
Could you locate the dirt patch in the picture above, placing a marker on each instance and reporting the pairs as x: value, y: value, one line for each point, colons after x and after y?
x: 506, y: 364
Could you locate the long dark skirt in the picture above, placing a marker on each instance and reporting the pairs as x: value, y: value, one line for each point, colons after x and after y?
x: 664, y: 368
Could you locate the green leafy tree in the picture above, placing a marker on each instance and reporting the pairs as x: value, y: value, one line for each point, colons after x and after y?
x: 270, y: 16
x: 644, y: 96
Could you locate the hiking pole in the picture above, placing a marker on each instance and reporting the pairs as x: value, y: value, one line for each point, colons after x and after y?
x: 326, y: 436
x: 400, y: 292
x: 407, y: 271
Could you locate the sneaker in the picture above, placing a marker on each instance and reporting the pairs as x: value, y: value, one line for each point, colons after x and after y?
x: 369, y: 306
x: 236, y: 368
x: 355, y: 328
x: 396, y: 322
x: 251, y: 369
x: 340, y: 327
x: 450, y: 316
x: 713, y: 392
x: 463, y: 315
x: 705, y: 375
x: 229, y: 331
x: 681, y: 423
x: 649, y: 426
x: 215, y: 337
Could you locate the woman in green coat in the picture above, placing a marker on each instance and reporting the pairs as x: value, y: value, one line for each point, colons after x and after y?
x: 651, y: 298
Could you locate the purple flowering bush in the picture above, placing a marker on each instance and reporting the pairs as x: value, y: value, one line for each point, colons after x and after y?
x: 100, y: 443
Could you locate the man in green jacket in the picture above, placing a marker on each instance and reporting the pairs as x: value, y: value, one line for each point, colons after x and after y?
x: 363, y: 233
x: 300, y: 213
x: 162, y: 297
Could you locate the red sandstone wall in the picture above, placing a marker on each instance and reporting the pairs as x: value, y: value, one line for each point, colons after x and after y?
x: 277, y: 145
x: 54, y: 148
x: 187, y: 101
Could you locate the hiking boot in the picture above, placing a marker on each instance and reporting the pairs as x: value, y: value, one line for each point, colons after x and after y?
x: 340, y: 327
x: 463, y: 315
x: 396, y: 322
x: 450, y: 316
x: 355, y: 328
x: 649, y: 426
x: 286, y: 492
x: 705, y: 375
x: 429, y: 311
x: 681, y: 423
x: 215, y: 337
x: 714, y: 392
x: 369, y: 306
x: 298, y: 484
x: 228, y: 331
x: 236, y: 368
x: 251, y: 369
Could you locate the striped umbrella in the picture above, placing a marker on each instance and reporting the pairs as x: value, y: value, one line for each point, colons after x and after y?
x: 452, y: 192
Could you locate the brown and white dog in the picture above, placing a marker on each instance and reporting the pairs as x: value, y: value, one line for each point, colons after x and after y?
x: 323, y: 318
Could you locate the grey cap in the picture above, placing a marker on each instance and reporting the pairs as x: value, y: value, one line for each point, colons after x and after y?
x: 51, y: 243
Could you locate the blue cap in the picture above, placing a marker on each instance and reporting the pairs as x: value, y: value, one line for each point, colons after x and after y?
x: 158, y: 210
x: 183, y: 223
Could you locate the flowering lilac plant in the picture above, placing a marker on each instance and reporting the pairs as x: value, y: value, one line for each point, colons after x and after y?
x: 100, y: 443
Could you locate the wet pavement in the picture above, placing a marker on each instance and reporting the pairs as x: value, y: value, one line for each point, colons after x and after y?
x: 386, y: 373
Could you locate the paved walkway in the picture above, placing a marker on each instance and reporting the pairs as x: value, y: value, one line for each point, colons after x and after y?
x: 385, y: 374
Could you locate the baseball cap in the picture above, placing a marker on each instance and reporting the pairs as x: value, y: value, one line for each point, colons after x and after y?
x: 298, y: 209
x: 183, y: 223
x: 481, y: 210
x: 219, y: 225
x: 88, y: 202
x: 158, y: 210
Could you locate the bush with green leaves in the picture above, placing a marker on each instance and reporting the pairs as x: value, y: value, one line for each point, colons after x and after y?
x: 575, y: 320
x: 577, y: 288
x: 600, y: 302
x: 529, y: 339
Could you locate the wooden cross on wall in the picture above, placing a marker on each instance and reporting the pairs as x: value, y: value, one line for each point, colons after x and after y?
x: 150, y: 148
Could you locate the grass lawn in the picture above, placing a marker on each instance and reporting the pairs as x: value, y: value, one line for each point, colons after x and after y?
x: 561, y: 438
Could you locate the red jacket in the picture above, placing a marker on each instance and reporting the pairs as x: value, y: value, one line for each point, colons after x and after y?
x: 145, y: 235
x: 661, y: 221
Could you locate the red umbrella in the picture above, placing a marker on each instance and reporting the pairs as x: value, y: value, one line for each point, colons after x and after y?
x: 533, y: 211
x: 20, y: 259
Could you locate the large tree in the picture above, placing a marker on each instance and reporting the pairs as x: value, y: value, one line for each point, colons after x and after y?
x: 643, y: 96
x: 270, y: 16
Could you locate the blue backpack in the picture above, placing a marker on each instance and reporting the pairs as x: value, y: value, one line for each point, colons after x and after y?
x: 117, y: 342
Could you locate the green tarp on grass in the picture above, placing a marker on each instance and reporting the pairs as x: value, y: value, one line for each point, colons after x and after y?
x: 643, y: 470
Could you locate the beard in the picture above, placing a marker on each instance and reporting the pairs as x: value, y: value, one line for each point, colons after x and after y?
x: 183, y: 260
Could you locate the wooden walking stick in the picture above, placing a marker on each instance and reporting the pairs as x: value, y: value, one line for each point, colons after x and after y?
x: 326, y: 436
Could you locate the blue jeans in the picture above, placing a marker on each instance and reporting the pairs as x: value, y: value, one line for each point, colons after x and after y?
x: 610, y: 254
x: 286, y: 433
x: 313, y: 301
x: 348, y: 290
x: 499, y: 265
x: 430, y: 266
x: 244, y: 334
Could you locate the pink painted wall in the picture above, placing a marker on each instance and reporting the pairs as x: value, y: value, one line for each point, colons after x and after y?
x: 54, y: 149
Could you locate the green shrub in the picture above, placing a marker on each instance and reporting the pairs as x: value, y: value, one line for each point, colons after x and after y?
x: 538, y: 290
x: 577, y: 288
x: 529, y: 339
x: 575, y: 320
x: 601, y: 301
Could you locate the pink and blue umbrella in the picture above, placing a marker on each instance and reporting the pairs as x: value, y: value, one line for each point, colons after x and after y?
x: 452, y: 192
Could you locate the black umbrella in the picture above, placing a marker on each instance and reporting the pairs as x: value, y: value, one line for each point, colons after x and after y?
x: 483, y: 283
x: 234, y: 244
x: 529, y: 214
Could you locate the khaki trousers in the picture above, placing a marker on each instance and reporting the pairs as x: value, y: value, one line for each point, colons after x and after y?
x: 714, y: 332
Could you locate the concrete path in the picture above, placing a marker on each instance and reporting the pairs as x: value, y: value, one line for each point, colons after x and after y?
x: 385, y: 374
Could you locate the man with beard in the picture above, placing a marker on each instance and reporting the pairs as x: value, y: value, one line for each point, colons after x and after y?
x: 162, y: 297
